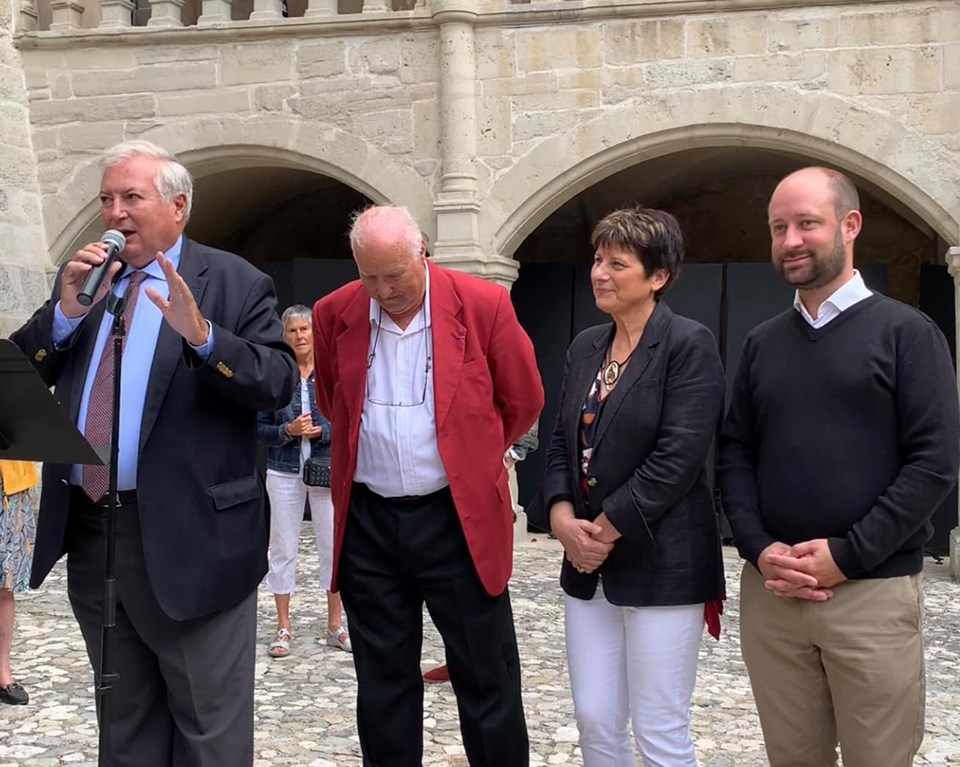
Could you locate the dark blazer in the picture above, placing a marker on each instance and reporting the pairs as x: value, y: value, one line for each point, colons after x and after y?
x: 201, y: 502
x: 647, y: 472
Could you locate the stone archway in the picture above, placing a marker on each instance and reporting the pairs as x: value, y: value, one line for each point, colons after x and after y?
x: 819, y: 127
x: 208, y: 146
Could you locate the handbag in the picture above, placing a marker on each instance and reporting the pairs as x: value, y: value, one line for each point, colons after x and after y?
x: 316, y: 472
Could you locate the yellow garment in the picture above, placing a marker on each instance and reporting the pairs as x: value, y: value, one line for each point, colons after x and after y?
x: 17, y: 476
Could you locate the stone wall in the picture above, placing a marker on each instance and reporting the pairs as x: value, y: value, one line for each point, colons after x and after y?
x: 23, y: 260
x: 564, y: 97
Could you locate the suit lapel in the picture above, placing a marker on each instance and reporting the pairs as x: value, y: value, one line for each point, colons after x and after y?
x: 639, y: 362
x: 351, y: 349
x: 169, y: 350
x: 449, y: 339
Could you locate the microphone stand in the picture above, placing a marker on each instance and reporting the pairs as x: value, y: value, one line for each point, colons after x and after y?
x: 115, y: 305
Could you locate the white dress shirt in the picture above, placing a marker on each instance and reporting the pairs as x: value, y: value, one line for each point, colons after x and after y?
x: 397, y: 452
x: 853, y: 291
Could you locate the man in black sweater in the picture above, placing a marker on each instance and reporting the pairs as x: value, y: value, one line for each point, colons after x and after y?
x: 842, y: 438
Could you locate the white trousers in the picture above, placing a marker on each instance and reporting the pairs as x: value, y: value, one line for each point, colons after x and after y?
x: 287, y: 496
x: 633, y: 665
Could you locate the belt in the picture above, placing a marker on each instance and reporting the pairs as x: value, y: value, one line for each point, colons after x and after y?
x: 404, y: 500
x: 78, y: 497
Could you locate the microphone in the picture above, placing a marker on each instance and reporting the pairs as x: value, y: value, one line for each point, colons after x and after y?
x: 115, y: 242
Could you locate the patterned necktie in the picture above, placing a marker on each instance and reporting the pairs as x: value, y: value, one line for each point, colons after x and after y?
x: 96, y: 479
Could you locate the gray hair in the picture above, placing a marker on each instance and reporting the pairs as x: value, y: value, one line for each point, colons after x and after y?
x: 364, y: 221
x: 171, y: 179
x: 297, y: 310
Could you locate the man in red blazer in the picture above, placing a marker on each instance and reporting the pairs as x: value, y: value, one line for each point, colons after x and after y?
x: 427, y: 378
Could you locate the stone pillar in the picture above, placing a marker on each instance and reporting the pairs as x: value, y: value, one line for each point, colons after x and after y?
x: 116, y: 13
x: 65, y: 14
x: 23, y: 259
x: 953, y: 265
x: 267, y: 10
x: 457, y: 205
x: 28, y: 16
x: 166, y: 13
x: 376, y: 6
x: 215, y: 12
x: 321, y: 8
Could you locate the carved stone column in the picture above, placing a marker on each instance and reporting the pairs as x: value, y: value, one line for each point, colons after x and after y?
x: 267, y: 10
x: 28, y: 16
x: 165, y: 13
x: 321, y: 8
x: 953, y: 265
x: 215, y: 12
x: 65, y: 14
x: 116, y: 13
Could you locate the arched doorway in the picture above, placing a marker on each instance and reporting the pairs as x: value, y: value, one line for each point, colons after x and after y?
x: 719, y: 195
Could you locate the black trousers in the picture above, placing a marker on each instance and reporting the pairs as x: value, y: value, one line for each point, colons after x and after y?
x: 184, y: 697
x: 397, y: 555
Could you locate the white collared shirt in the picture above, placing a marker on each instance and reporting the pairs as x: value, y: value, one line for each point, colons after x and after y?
x: 853, y: 291
x: 397, y: 450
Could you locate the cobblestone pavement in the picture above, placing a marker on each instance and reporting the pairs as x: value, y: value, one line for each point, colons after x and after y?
x: 304, y: 703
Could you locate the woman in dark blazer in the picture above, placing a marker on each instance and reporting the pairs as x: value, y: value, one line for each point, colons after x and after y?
x: 626, y: 493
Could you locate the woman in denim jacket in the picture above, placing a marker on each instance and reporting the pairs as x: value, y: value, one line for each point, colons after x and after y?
x: 293, y: 434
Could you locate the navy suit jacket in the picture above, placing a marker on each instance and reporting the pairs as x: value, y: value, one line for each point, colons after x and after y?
x: 200, y: 499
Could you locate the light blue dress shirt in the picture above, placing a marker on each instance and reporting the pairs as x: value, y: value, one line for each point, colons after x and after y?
x: 138, y: 350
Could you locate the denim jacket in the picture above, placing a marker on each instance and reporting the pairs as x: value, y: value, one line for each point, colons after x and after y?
x: 283, y: 452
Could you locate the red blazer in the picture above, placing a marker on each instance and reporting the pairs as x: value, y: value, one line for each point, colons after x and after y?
x: 487, y: 393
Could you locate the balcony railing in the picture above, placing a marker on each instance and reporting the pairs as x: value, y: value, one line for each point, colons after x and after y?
x: 70, y: 15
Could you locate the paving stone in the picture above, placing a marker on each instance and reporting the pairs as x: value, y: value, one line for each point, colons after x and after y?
x: 305, y: 703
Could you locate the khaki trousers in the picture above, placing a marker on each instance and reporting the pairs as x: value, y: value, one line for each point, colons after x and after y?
x: 848, y: 669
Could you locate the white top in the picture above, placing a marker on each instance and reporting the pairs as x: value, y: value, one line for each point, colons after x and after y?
x: 397, y: 451
x: 853, y: 291
x: 304, y: 410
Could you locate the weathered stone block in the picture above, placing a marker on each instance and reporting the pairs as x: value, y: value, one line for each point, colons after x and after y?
x: 156, y: 77
x: 256, y: 63
x: 801, y: 32
x: 684, y: 72
x: 14, y: 126
x: 539, y: 82
x: 91, y: 137
x: 420, y: 58
x: 496, y: 56
x: 570, y: 99
x: 321, y: 59
x: 107, y: 57
x: 566, y: 47
x: 726, y: 36
x: 951, y: 66
x: 891, y: 70
x: 426, y: 129
x: 494, y: 134
x: 162, y: 54
x: 785, y: 67
x: 94, y: 109
x: 532, y: 125
x: 394, y: 124
x: 272, y: 98
x: 11, y: 85
x: 380, y: 57
x: 628, y: 42
x: 901, y: 26
x: 221, y: 100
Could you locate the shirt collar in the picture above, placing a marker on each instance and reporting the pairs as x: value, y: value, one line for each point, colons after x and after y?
x: 153, y: 268
x: 375, y: 309
x: 851, y: 292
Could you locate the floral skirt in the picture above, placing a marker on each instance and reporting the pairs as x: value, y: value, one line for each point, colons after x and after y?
x: 18, y: 530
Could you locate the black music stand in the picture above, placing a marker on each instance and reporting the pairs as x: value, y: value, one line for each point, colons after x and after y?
x: 33, y: 425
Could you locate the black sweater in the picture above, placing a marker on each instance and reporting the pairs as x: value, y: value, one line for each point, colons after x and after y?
x: 850, y: 433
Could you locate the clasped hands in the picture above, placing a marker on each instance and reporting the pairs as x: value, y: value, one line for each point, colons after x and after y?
x: 302, y: 426
x: 586, y: 544
x: 805, y: 570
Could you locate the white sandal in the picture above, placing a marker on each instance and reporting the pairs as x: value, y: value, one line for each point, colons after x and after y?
x: 338, y: 637
x: 280, y: 646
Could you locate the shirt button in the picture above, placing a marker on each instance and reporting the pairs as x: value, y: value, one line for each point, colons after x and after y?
x: 591, y: 481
